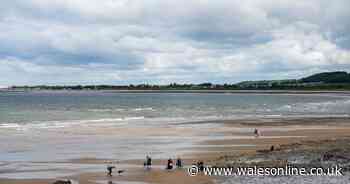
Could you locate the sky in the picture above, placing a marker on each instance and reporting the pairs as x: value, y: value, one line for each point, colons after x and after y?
x: 68, y: 42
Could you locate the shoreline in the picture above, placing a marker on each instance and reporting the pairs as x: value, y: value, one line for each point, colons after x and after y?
x: 346, y: 92
x: 276, y: 131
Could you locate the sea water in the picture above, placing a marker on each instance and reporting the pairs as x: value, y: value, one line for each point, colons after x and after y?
x: 41, y: 109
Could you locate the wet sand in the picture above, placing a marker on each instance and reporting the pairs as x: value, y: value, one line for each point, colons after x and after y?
x: 237, y: 140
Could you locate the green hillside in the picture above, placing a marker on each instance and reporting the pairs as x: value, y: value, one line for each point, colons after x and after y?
x: 328, y: 77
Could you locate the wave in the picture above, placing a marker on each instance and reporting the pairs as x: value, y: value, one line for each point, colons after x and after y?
x: 134, y: 118
x: 106, y: 110
x: 67, y: 123
x: 100, y: 120
x: 121, y: 109
x: 155, y: 121
x: 9, y: 125
x: 336, y: 107
x: 144, y: 109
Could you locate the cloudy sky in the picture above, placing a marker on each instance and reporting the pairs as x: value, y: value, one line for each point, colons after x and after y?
x: 162, y: 41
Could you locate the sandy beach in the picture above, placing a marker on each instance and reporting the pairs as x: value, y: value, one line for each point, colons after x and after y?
x: 237, y: 141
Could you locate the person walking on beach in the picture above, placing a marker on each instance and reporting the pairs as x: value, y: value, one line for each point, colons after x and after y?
x: 179, y: 163
x: 110, y: 169
x: 256, y: 132
x: 169, y: 164
x: 200, y: 165
x: 148, y: 162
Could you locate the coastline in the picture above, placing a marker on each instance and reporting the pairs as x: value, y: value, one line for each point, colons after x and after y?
x: 213, y: 91
x: 277, y: 132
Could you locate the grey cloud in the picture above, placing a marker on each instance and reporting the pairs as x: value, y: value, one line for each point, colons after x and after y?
x: 122, y: 41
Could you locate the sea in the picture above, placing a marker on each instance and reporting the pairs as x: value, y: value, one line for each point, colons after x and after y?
x: 50, y: 109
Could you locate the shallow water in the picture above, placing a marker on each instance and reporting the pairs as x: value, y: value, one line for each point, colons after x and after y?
x: 46, y: 126
x: 58, y: 126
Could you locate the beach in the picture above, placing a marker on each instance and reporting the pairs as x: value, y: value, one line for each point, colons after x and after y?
x: 234, y: 139
x: 52, y: 135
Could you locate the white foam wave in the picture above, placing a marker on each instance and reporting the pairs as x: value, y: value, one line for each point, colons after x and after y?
x: 144, y: 109
x: 134, y: 118
x: 106, y: 110
x: 69, y: 123
x: 9, y: 125
x: 274, y: 115
x: 337, y: 106
x: 101, y: 120
x: 121, y: 109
